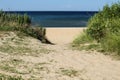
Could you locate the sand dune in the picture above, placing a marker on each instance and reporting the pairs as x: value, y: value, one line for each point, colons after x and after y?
x: 30, y: 59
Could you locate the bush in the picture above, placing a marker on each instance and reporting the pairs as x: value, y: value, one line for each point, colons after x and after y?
x: 111, y: 43
x: 106, y: 20
x: 104, y: 27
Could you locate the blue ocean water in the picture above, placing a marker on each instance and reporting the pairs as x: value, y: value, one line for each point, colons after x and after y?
x: 59, y: 18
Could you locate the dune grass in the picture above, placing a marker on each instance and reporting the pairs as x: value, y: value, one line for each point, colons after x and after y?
x: 83, y: 38
x: 6, y: 77
x: 103, y: 31
x: 20, y: 44
x: 69, y: 72
x: 85, y: 42
x: 21, y: 23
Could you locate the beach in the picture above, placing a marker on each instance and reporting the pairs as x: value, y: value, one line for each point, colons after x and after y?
x: 52, y: 45
x: 63, y: 35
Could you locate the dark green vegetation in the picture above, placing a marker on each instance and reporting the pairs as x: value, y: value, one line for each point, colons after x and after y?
x: 103, y: 30
x: 21, y: 23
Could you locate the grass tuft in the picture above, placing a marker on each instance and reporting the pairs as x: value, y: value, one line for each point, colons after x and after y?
x: 6, y: 77
x: 21, y: 23
x: 82, y: 39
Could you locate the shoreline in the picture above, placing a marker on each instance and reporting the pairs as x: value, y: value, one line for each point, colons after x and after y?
x: 66, y: 27
x: 63, y: 35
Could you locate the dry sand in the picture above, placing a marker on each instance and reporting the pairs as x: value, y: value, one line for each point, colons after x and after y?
x: 90, y: 65
x: 63, y: 35
x: 61, y: 62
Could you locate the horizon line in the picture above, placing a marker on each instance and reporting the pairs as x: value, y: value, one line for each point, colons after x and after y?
x: 44, y: 11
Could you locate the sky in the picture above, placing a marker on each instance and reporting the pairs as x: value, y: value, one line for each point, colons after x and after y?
x: 54, y: 5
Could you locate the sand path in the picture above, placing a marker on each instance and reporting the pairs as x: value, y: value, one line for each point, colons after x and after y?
x: 90, y: 65
x: 61, y: 62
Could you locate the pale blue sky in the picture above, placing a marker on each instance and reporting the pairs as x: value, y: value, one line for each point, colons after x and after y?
x: 54, y: 5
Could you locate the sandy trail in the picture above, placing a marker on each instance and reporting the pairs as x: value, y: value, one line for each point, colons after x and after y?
x: 90, y: 65
x: 61, y: 63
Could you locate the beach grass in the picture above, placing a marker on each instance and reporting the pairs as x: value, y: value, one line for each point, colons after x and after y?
x: 21, y: 23
x: 6, y: 77
x: 103, y: 31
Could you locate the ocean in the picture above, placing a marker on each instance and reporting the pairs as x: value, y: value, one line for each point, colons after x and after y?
x: 58, y: 18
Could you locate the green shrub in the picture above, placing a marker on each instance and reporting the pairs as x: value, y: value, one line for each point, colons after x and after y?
x: 96, y: 28
x: 106, y: 20
x: 104, y: 27
x: 111, y: 43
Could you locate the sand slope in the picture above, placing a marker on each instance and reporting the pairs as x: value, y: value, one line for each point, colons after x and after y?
x: 39, y: 61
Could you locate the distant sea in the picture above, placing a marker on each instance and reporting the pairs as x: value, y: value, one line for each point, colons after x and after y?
x: 58, y: 18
